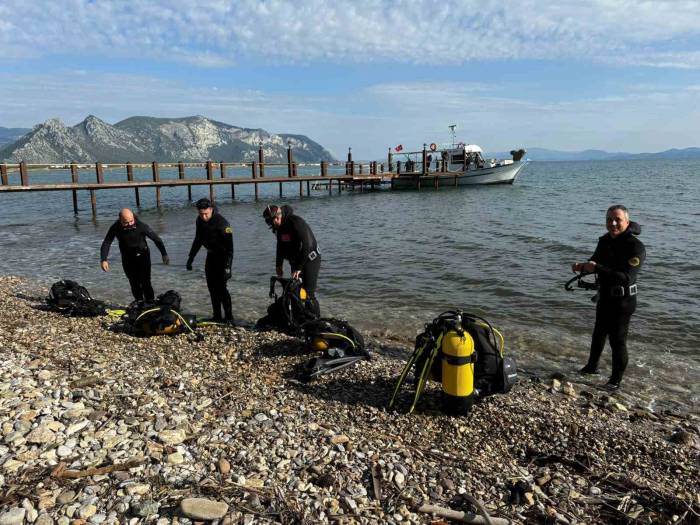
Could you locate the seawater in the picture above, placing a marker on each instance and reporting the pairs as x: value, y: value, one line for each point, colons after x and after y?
x: 394, y: 260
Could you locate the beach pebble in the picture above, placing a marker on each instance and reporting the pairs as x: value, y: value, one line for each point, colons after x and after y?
x: 203, y: 509
x: 13, y: 516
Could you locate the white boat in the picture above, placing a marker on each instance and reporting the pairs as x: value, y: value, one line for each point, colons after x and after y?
x: 455, y: 165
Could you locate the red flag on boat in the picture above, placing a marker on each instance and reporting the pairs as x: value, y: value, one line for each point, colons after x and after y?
x: 398, y: 148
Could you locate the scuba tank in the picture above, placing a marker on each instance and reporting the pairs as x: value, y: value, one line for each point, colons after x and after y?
x: 457, y: 354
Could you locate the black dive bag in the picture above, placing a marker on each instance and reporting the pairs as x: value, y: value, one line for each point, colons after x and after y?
x: 72, y: 299
x: 340, y: 345
x: 290, y: 310
x: 160, y: 318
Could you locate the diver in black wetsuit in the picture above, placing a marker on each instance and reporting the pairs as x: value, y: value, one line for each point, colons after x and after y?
x: 136, y: 258
x: 297, y: 244
x: 616, y: 261
x: 215, y: 234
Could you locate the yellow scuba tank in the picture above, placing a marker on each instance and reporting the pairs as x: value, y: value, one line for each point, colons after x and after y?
x: 457, y: 372
x: 302, y: 294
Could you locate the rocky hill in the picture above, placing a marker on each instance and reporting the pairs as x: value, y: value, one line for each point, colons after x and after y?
x: 145, y: 139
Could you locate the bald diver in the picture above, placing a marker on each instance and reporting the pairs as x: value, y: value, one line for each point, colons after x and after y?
x: 136, y: 258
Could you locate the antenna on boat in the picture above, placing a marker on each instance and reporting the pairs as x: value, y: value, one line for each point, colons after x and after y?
x: 452, y: 130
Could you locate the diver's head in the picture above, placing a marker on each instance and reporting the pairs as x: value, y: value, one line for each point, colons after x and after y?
x: 205, y: 209
x: 126, y: 218
x: 273, y: 216
x: 617, y: 219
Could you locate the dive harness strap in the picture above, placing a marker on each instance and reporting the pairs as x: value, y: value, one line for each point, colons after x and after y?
x: 623, y: 291
x: 158, y: 309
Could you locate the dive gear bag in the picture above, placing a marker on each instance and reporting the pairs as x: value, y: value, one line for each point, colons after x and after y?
x: 72, y: 299
x: 290, y: 309
x: 163, y: 317
x: 464, y: 353
x: 340, y: 345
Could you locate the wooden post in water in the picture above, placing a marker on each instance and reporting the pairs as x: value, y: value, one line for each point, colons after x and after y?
x: 181, y: 175
x: 74, y: 180
x: 210, y: 176
x: 156, y: 178
x: 424, y: 171
x: 261, y: 161
x: 280, y: 190
x: 130, y: 178
x: 301, y: 189
x: 3, y: 174
x: 253, y: 168
x: 349, y: 168
x: 93, y: 198
x: 222, y: 168
x: 23, y: 175
x: 324, y: 168
x: 290, y: 159
x: 308, y: 189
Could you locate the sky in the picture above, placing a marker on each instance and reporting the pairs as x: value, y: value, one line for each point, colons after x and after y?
x: 617, y: 75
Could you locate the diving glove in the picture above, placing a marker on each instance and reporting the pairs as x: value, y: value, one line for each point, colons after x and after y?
x: 189, y: 264
x: 227, y: 273
x: 166, y: 260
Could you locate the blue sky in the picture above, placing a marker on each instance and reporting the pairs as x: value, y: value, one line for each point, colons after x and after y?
x: 616, y: 75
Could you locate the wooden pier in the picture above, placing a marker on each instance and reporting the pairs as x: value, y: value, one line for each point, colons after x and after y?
x: 16, y: 178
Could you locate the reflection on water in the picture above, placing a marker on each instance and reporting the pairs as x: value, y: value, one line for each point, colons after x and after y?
x: 394, y: 260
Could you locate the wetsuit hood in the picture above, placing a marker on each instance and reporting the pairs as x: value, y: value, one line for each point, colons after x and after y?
x: 287, y: 210
x: 634, y: 228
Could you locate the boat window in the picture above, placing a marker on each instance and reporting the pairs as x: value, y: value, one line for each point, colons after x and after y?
x: 457, y: 157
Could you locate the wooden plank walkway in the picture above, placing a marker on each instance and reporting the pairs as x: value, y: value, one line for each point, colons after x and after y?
x: 369, y: 175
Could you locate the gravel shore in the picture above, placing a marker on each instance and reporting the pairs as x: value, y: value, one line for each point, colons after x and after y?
x: 99, y: 427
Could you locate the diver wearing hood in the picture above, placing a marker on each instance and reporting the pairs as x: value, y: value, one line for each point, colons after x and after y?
x: 136, y: 257
x: 215, y: 234
x: 617, y: 260
x: 297, y: 244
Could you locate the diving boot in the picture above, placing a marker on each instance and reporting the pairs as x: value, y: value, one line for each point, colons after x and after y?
x: 588, y: 370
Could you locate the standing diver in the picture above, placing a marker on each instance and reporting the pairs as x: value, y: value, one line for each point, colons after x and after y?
x: 297, y: 244
x: 616, y: 261
x: 215, y: 234
x: 136, y: 258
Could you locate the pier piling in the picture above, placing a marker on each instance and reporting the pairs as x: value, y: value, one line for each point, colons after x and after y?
x: 74, y: 180
x: 156, y: 178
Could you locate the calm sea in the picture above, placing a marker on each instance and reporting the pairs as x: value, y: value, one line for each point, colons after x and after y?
x: 394, y: 260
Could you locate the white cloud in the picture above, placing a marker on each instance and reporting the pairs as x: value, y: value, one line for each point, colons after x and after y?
x: 214, y: 33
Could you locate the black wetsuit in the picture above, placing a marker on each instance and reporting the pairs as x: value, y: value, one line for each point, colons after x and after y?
x: 217, y: 237
x: 136, y: 258
x: 297, y: 244
x: 618, y: 261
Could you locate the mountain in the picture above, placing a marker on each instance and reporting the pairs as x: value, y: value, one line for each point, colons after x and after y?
x: 10, y: 135
x: 596, y: 154
x: 145, y: 139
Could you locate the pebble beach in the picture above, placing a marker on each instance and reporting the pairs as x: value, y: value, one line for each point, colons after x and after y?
x: 100, y: 427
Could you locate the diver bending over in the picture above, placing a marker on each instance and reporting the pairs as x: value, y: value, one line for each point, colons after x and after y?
x: 136, y: 258
x: 297, y: 244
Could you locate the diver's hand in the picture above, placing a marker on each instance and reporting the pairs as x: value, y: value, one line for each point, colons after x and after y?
x: 189, y: 265
x: 227, y: 273
x: 296, y: 275
x: 166, y: 259
x: 279, y: 270
x: 589, y: 266
x: 105, y: 266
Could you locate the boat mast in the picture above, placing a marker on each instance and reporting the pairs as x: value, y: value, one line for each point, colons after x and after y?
x: 452, y: 131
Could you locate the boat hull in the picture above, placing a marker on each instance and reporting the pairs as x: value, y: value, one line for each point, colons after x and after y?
x: 488, y: 175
